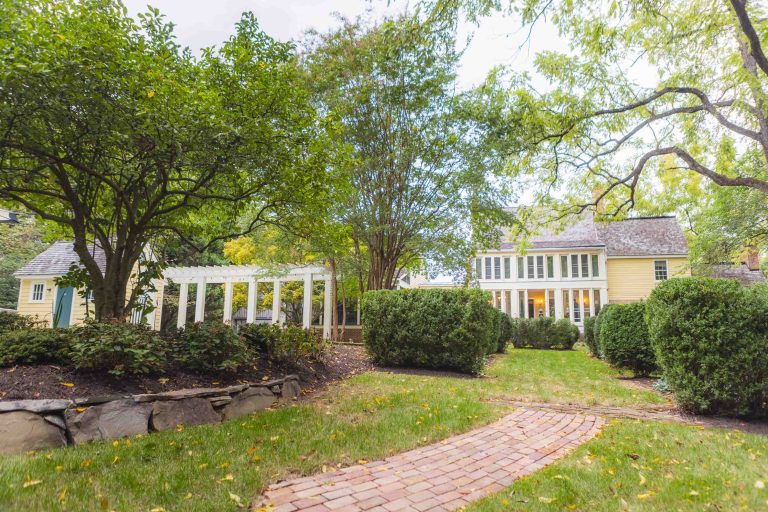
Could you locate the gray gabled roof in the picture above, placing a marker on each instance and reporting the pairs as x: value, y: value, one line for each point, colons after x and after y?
x: 741, y: 273
x: 57, y: 259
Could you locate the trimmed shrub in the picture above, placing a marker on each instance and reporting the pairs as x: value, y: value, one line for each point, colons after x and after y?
x: 589, y: 335
x: 711, y: 341
x: 544, y: 333
x: 13, y: 322
x: 117, y: 348
x: 624, y: 339
x: 439, y: 329
x: 211, y: 347
x: 505, y: 332
x: 34, y: 346
x: 286, y: 345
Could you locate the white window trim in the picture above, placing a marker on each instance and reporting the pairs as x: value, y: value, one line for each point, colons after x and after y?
x: 32, y: 286
x: 666, y: 265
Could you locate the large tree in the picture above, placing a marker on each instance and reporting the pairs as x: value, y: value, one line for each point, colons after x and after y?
x: 111, y: 130
x: 391, y: 85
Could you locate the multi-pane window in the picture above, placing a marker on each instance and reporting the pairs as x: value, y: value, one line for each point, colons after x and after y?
x: 479, y: 268
x: 584, y: 265
x: 551, y: 301
x: 497, y: 268
x: 520, y: 268
x: 585, y: 301
x: 550, y: 267
x: 576, y: 306
x: 521, y: 303
x: 566, y: 305
x: 540, y: 267
x: 564, y: 266
x: 507, y: 268
x: 488, y: 268
x: 531, y: 267
x: 596, y: 300
x: 660, y: 270
x: 36, y: 294
x: 595, y: 266
x: 574, y: 265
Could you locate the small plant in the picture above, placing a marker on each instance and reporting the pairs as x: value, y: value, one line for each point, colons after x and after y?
x: 33, y: 346
x: 285, y: 345
x: 117, y: 348
x: 13, y: 322
x: 624, y: 340
x: 544, y: 333
x: 211, y: 347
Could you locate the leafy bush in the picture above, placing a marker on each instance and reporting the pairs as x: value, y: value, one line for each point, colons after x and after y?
x: 286, y: 345
x: 440, y: 329
x: 624, y: 339
x: 34, y: 346
x: 505, y: 332
x: 711, y: 341
x: 117, y: 348
x: 544, y: 332
x: 210, y: 347
x: 13, y: 322
x: 589, y: 335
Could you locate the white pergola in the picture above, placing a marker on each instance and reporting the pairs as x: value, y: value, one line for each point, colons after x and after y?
x: 251, y: 274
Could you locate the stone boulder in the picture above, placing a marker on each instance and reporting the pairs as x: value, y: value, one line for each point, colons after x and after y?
x: 188, y: 411
x: 22, y: 431
x: 291, y: 390
x: 111, y: 420
x: 41, y: 406
x: 251, y: 400
x: 181, y: 394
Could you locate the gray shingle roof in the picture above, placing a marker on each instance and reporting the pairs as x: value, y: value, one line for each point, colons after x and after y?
x: 56, y: 260
x: 640, y: 236
x: 742, y: 273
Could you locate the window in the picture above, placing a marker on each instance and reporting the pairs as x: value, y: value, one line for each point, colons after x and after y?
x: 595, y: 266
x: 574, y: 265
x: 540, y: 267
x: 660, y: 269
x: 531, y: 267
x: 497, y: 268
x: 488, y: 268
x: 585, y: 265
x: 585, y: 301
x: 521, y: 303
x: 577, y: 306
x: 551, y: 300
x: 89, y: 296
x: 520, y: 268
x: 596, y: 300
x: 478, y: 268
x: 37, y: 292
x: 564, y: 266
x: 550, y: 267
x: 566, y: 305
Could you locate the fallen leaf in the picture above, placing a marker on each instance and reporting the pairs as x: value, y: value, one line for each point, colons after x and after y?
x: 759, y: 484
x: 227, y: 478
x: 163, y: 380
x: 30, y: 483
x: 546, y: 500
x: 236, y: 499
x: 68, y: 384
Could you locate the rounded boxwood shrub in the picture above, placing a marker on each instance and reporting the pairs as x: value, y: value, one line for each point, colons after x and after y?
x: 711, y: 341
x: 34, y: 346
x: 624, y: 341
x: 211, y: 347
x: 117, y: 348
x: 505, y: 332
x: 589, y: 335
x: 544, y: 333
x: 438, y: 329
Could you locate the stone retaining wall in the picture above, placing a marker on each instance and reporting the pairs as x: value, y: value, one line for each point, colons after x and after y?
x: 37, y: 424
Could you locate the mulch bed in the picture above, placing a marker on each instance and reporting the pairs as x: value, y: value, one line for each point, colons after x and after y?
x: 47, y: 381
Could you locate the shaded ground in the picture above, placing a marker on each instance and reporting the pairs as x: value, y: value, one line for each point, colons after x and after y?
x: 47, y: 381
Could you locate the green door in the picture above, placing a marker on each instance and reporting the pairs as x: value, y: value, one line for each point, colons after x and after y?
x: 63, y: 306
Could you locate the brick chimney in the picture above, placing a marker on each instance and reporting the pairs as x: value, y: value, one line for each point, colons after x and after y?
x: 752, y: 258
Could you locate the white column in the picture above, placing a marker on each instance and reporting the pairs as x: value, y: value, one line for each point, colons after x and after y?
x: 200, y: 301
x: 276, y: 302
x: 570, y: 303
x: 250, y: 316
x: 515, y: 303
x: 602, y: 266
x: 306, y: 315
x: 181, y: 320
x: 558, y: 269
x: 546, y: 301
x: 591, y: 302
x: 228, y: 302
x: 327, y: 309
x: 559, y: 303
x: 504, y: 300
x: 603, y: 297
x: 525, y: 306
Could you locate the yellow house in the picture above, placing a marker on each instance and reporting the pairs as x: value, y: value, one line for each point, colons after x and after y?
x: 41, y: 298
x: 574, y: 272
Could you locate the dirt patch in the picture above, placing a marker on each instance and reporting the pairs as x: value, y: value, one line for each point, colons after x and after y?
x: 48, y: 381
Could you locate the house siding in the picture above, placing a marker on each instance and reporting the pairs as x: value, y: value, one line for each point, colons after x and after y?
x: 42, y: 311
x: 633, y: 279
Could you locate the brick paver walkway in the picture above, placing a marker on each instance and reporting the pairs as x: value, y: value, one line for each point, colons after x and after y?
x: 442, y: 476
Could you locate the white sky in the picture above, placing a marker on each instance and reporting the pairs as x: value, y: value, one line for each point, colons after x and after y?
x: 201, y: 23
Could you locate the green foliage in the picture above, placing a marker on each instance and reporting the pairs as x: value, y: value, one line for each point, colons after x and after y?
x: 19, y: 243
x: 210, y: 347
x: 117, y: 348
x: 283, y: 345
x: 27, y: 345
x: 711, y: 341
x: 440, y: 329
x: 505, y: 332
x: 624, y: 341
x: 12, y: 322
x: 544, y: 333
x: 589, y: 335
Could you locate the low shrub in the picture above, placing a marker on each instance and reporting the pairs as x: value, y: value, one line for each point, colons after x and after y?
x: 711, y: 341
x: 285, y: 345
x: 117, y: 348
x: 34, y: 346
x: 13, y: 322
x: 505, y: 332
x: 589, y: 335
x: 440, y: 329
x: 211, y: 347
x: 624, y: 341
x: 544, y: 333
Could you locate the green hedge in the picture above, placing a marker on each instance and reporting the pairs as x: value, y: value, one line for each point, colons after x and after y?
x: 624, y: 341
x: 438, y: 329
x: 711, y: 341
x: 13, y: 322
x: 287, y: 344
x: 589, y: 335
x: 211, y: 347
x: 35, y: 346
x: 505, y: 332
x: 544, y: 333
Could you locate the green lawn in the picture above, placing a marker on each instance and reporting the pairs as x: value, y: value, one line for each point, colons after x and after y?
x: 366, y: 417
